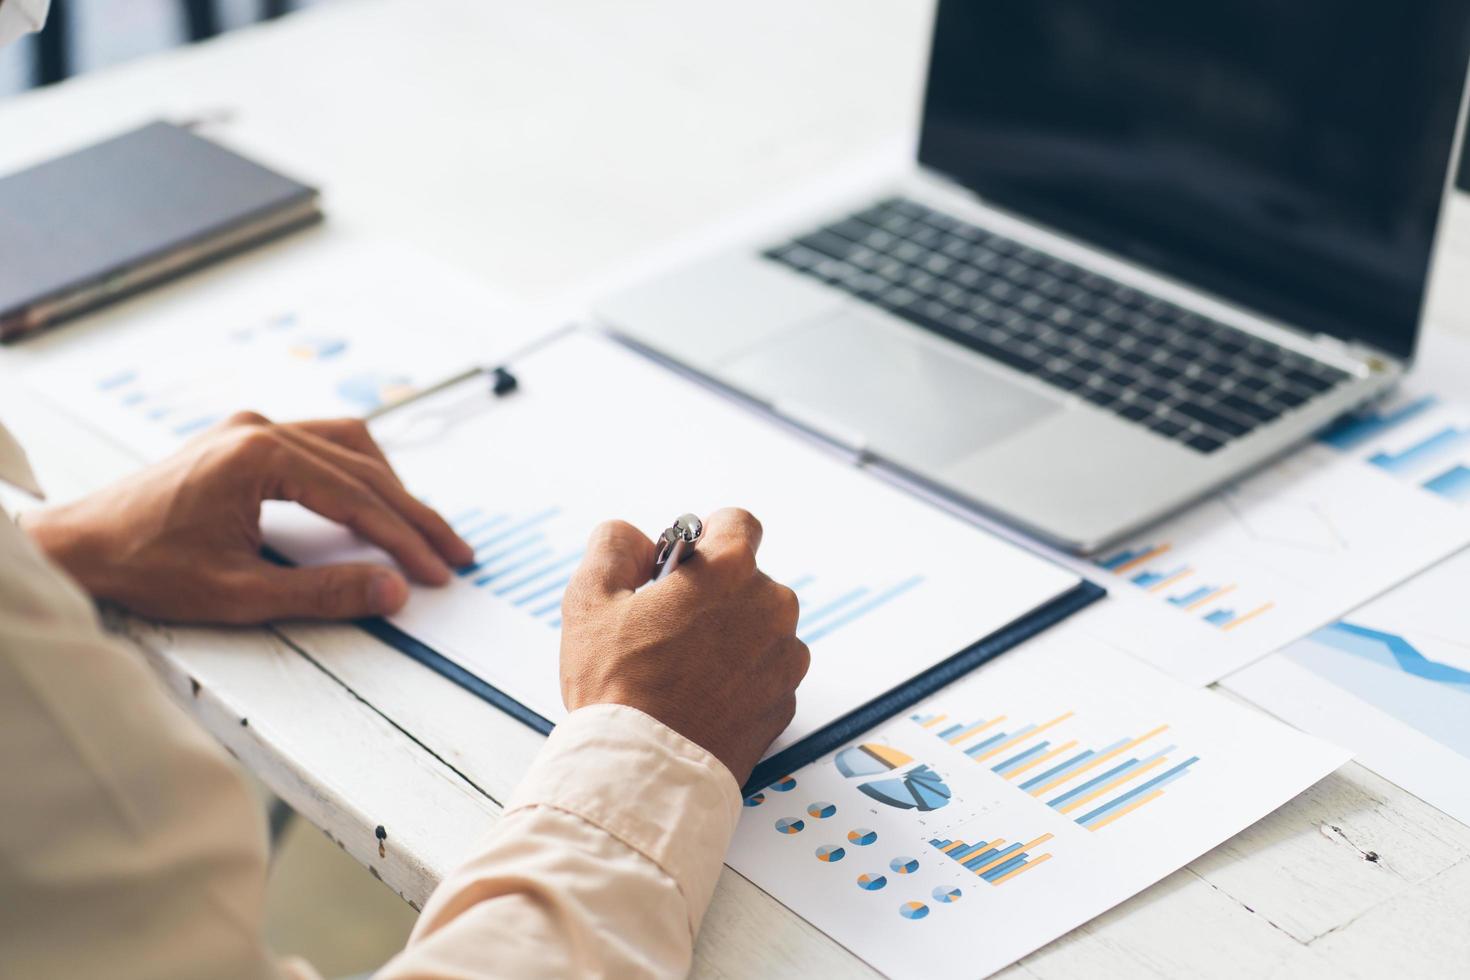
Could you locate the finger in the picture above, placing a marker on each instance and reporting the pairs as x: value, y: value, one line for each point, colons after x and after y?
x: 731, y: 539
x: 270, y: 592
x: 339, y: 496
x: 795, y: 659
x: 376, y: 474
x: 349, y: 433
x: 619, y: 559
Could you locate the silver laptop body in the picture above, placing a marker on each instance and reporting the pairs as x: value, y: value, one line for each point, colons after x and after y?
x: 863, y: 325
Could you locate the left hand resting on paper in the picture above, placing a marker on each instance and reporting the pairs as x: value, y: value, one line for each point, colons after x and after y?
x: 180, y: 540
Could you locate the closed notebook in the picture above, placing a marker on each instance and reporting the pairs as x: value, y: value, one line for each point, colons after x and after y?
x: 108, y: 220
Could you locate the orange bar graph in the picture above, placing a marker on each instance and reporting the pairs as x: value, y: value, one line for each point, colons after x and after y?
x: 1205, y: 600
x: 1042, y: 758
x: 997, y: 862
x: 1142, y: 559
x: 1023, y: 736
x: 1097, y: 760
x: 1147, y: 797
x: 1110, y: 785
x: 1025, y: 867
x: 1176, y: 577
x: 1248, y: 616
x: 933, y: 721
x: 974, y: 729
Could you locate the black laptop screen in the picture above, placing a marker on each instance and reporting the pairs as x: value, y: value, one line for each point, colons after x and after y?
x: 1289, y: 156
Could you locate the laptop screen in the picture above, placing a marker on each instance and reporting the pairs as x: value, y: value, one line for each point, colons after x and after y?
x: 1290, y: 157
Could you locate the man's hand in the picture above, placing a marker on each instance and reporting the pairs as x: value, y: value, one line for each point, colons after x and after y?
x: 181, y: 540
x: 711, y: 651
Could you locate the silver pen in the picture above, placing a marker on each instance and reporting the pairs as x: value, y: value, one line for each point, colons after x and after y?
x: 675, y: 544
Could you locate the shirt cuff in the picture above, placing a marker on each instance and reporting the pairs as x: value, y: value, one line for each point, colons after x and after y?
x: 645, y: 784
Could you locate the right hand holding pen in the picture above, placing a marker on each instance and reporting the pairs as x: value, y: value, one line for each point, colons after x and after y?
x: 711, y: 651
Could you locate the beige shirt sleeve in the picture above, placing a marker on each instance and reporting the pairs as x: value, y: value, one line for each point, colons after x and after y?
x: 132, y: 847
x: 602, y: 866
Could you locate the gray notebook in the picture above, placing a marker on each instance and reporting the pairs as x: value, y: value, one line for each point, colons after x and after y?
x: 108, y: 220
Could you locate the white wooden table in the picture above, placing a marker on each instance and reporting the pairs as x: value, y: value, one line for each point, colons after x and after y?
x: 553, y: 148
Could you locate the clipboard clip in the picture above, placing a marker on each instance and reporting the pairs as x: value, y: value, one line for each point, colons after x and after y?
x: 502, y: 383
x: 428, y: 426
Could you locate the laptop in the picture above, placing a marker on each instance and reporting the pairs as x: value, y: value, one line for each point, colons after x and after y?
x: 1145, y: 248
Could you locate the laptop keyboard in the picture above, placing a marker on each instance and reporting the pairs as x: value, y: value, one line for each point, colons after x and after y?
x: 1187, y: 377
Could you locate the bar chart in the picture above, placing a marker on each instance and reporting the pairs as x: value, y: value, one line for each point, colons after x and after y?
x: 525, y: 558
x: 827, y: 609
x: 1424, y: 441
x: 283, y: 364
x: 1121, y: 776
x: 994, y: 861
x: 1145, y: 567
x: 518, y: 559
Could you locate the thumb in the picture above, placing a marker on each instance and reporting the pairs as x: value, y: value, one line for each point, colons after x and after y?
x: 619, y: 559
x: 325, y: 592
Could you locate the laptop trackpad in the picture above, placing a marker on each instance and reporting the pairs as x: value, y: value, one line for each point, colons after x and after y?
x: 906, y: 398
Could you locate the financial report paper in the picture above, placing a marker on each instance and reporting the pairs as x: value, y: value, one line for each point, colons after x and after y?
x: 1047, y: 787
x: 889, y: 586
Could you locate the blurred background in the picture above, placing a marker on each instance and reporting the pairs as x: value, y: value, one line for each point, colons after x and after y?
x: 85, y: 35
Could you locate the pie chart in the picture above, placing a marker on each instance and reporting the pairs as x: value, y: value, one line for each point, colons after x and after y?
x: 830, y: 853
x: 821, y: 810
x: 913, y: 910
x: 790, y: 825
x: 871, y: 883
x: 784, y: 785
x: 755, y: 799
x: 862, y: 836
x: 904, y: 865
x: 919, y: 789
x: 947, y: 895
x: 869, y: 759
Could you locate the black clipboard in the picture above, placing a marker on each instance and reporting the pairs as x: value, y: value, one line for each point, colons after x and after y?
x: 502, y: 383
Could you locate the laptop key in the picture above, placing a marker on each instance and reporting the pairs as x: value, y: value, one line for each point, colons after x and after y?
x: 1213, y: 419
x: 1183, y: 375
x: 1204, y: 443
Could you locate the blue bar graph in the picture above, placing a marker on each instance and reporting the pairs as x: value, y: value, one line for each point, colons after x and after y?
x: 1452, y: 484
x: 984, y: 744
x: 850, y: 608
x: 1016, y: 760
x: 518, y: 560
x: 1147, y: 578
x: 1422, y: 452
x: 1192, y: 596
x: 1158, y: 782
x: 117, y: 380
x: 1354, y: 431
x: 1124, y: 557
x: 996, y: 861
x: 195, y: 425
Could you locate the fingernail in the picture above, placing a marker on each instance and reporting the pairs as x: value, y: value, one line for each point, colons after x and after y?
x: 386, y: 593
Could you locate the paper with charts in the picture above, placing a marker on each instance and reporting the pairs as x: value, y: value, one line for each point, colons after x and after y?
x: 1391, y: 681
x: 313, y: 329
x: 1376, y: 499
x: 1055, y: 782
x: 888, y: 585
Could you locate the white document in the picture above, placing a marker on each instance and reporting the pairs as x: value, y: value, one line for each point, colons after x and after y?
x: 1052, y: 784
x: 312, y: 329
x: 1273, y: 557
x: 889, y: 586
x: 1391, y: 681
